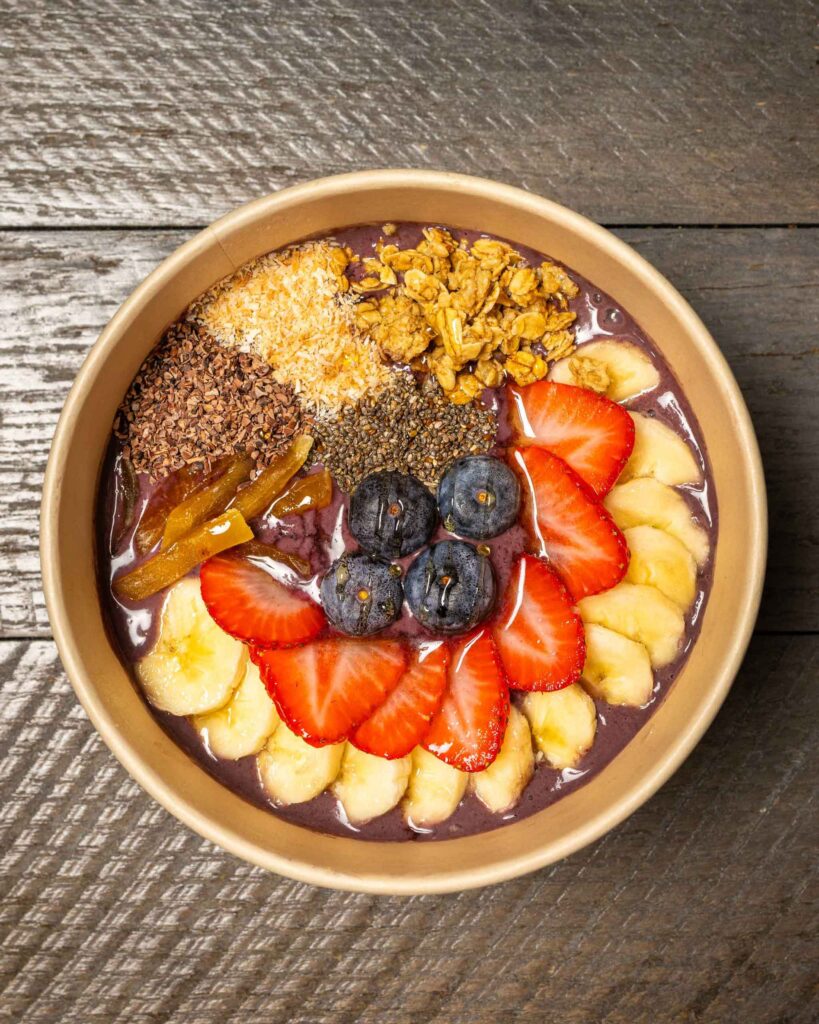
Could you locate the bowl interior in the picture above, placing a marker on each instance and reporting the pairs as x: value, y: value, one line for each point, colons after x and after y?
x: 105, y: 688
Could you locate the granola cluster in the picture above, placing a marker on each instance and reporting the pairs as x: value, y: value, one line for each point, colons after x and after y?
x: 471, y: 314
x: 589, y: 373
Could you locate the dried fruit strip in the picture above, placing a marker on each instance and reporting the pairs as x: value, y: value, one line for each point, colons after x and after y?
x: 260, y: 494
x: 308, y: 493
x: 205, y: 502
x: 152, y: 522
x: 166, y: 567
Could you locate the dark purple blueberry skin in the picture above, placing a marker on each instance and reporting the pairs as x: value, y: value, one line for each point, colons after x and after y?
x: 450, y: 587
x: 478, y: 497
x: 361, y: 595
x: 392, y: 514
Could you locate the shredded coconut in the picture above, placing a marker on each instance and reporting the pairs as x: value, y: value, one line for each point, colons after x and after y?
x: 293, y: 310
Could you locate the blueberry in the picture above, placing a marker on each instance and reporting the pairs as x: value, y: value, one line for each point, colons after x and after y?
x: 392, y: 514
x: 450, y: 587
x: 361, y: 595
x: 478, y: 497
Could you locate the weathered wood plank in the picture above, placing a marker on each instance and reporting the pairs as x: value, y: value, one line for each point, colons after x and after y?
x: 699, y: 908
x: 756, y: 289
x: 172, y: 113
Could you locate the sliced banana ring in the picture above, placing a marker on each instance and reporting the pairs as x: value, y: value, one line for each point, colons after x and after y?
x: 434, y: 790
x: 369, y: 786
x: 617, y: 669
x: 563, y: 722
x: 499, y: 786
x: 661, y: 453
x: 194, y: 666
x: 243, y: 725
x: 292, y: 771
x: 612, y: 367
x: 648, y: 502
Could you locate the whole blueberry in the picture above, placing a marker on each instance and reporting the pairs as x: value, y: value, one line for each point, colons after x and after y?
x: 392, y: 514
x: 450, y: 587
x: 361, y: 595
x: 478, y: 497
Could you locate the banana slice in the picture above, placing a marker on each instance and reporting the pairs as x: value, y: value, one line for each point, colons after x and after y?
x: 660, y: 560
x: 369, y: 786
x: 292, y: 771
x: 434, y: 791
x: 641, y: 613
x: 499, y: 786
x: 647, y: 502
x: 615, y: 368
x: 194, y: 666
x: 617, y: 670
x: 661, y: 453
x: 241, y: 727
x: 563, y: 724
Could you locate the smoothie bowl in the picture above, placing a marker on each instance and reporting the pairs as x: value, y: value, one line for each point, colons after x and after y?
x: 403, y: 532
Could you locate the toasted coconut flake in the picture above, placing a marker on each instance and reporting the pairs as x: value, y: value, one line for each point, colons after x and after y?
x: 293, y: 309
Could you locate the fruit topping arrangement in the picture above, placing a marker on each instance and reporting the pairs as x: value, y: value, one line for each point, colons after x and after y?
x: 409, y: 637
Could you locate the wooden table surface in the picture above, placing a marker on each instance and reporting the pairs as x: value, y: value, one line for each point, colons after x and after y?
x: 689, y: 128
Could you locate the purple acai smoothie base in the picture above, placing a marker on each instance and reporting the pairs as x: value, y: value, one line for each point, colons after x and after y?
x: 320, y: 537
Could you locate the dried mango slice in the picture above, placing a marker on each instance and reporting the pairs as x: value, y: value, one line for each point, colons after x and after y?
x: 166, y: 567
x: 152, y: 521
x: 258, y: 549
x: 205, y: 502
x: 260, y: 494
x: 305, y: 494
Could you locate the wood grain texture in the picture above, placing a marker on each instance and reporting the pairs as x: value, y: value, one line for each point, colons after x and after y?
x: 701, y: 908
x: 756, y: 290
x: 697, y: 909
x: 651, y: 111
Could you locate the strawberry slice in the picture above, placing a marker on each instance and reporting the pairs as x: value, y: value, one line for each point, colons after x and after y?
x: 402, y: 721
x: 593, y: 434
x: 468, y: 730
x: 249, y: 604
x: 325, y: 689
x: 539, y: 634
x: 571, y: 528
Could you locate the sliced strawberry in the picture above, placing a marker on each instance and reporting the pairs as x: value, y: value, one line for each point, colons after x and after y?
x: 325, y: 689
x: 468, y: 730
x: 539, y: 634
x: 402, y: 721
x: 571, y: 528
x: 249, y: 604
x: 593, y: 434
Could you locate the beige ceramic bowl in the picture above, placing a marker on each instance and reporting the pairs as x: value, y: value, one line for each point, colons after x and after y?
x: 110, y: 698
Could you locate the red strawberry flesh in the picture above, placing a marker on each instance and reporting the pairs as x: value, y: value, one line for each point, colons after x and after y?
x: 325, y: 689
x: 569, y: 525
x: 539, y: 634
x: 467, y: 731
x: 247, y: 602
x: 402, y: 721
x: 594, y: 435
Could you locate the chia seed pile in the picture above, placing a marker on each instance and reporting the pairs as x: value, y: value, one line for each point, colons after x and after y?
x: 410, y: 426
x: 194, y: 401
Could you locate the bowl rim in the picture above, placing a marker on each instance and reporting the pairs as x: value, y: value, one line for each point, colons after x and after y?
x: 516, y: 863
